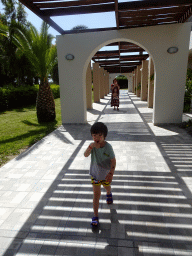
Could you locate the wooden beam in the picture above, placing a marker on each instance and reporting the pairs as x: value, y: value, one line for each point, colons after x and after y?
x: 150, y: 4
x: 122, y: 58
x: 55, y: 3
x: 116, y: 62
x: 117, y: 65
x: 135, y: 57
x: 79, y: 10
x: 160, y: 11
x: 117, y: 70
x: 34, y: 9
x: 184, y: 17
x: 89, y: 30
x: 146, y: 22
x: 116, y: 13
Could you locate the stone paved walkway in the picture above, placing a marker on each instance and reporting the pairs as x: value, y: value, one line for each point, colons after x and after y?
x: 46, y: 195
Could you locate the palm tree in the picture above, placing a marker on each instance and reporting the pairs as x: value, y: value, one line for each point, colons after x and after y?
x: 38, y: 48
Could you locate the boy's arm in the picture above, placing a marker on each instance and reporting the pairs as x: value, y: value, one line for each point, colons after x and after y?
x: 90, y: 147
x: 88, y: 150
x: 109, y: 176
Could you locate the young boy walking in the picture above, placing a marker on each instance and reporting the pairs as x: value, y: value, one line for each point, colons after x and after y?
x: 102, y: 167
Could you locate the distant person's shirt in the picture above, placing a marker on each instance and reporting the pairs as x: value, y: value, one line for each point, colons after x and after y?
x: 101, y: 161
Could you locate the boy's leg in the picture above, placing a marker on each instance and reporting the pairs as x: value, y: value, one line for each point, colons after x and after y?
x: 96, y: 197
x: 109, y: 198
x: 108, y: 189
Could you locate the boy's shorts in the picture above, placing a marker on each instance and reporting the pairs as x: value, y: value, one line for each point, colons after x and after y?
x: 100, y: 182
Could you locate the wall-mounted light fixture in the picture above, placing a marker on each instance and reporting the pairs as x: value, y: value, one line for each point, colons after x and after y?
x: 69, y: 56
x: 172, y: 49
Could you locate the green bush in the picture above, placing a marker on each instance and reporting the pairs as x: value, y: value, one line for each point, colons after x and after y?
x: 188, y: 92
x: 56, y: 90
x: 187, y: 102
x: 122, y: 81
x: 17, y: 97
x: 139, y: 86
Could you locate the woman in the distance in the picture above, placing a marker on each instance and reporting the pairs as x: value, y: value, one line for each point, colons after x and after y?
x: 115, y: 94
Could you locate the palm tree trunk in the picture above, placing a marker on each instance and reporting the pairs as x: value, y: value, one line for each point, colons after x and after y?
x: 45, y: 103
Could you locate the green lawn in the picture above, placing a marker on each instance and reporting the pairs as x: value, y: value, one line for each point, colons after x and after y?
x: 20, y: 129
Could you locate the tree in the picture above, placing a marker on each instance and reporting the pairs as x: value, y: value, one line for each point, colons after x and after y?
x: 10, y: 9
x: 8, y: 59
x: 55, y: 74
x: 38, y: 49
x: 14, y: 69
x: 79, y: 27
x: 21, y: 14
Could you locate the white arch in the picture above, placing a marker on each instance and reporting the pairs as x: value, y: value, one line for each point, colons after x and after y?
x: 170, y: 69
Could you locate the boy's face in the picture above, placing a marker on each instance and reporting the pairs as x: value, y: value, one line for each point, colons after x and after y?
x: 98, y: 138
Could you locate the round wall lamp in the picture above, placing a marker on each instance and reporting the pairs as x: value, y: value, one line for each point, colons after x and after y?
x: 172, y: 49
x: 69, y: 56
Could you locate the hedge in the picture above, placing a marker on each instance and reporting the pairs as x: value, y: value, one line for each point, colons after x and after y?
x: 17, y: 97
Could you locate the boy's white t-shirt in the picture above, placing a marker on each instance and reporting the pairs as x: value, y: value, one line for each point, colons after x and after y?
x: 101, y: 161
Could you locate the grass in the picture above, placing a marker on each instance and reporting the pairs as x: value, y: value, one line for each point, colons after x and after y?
x: 20, y: 130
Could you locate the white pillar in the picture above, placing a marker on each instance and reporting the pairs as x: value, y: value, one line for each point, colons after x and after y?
x: 96, y: 82
x: 144, y: 80
x: 150, y: 83
x: 89, y: 87
x: 102, y: 93
x: 138, y: 80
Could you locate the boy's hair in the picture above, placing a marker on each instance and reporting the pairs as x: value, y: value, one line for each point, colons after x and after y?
x: 99, y: 127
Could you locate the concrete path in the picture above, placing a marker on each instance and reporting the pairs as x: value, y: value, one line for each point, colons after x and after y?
x: 46, y: 195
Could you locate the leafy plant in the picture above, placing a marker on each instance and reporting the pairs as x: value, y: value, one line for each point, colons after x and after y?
x: 38, y: 49
x: 188, y: 92
x: 152, y: 77
x: 139, y: 86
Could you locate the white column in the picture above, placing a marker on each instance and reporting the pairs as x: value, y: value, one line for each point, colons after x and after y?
x: 89, y: 87
x: 150, y: 83
x: 96, y: 82
x: 144, y: 80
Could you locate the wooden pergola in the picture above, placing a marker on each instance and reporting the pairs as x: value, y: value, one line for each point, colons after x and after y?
x: 129, y: 14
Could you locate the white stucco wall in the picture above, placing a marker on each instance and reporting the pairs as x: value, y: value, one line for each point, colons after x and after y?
x: 170, y: 68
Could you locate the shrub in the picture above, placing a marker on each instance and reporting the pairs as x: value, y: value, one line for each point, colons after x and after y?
x: 122, y: 81
x: 188, y: 92
x: 187, y: 102
x: 56, y: 90
x: 17, y: 97
x: 139, y: 86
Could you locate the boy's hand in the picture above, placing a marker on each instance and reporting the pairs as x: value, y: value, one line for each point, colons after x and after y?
x: 109, y: 177
x: 95, y: 145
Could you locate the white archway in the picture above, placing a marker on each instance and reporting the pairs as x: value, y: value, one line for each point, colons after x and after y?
x: 170, y: 68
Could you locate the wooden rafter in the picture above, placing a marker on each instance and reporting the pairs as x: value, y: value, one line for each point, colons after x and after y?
x: 48, y: 20
x: 129, y: 58
x: 56, y: 3
x: 184, y: 17
x: 116, y: 13
x: 152, y: 4
x: 79, y: 10
x: 128, y: 14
